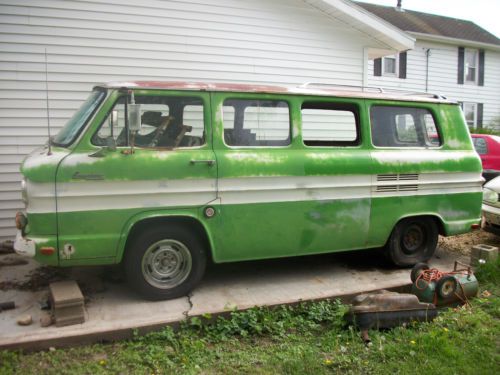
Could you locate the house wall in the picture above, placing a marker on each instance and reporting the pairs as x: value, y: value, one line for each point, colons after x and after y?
x: 90, y: 41
x: 442, y: 77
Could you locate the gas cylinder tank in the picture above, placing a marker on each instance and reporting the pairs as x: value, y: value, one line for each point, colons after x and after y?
x: 443, y: 288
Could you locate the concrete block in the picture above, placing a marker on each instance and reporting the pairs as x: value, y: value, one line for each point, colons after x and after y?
x: 481, y: 251
x: 67, y: 303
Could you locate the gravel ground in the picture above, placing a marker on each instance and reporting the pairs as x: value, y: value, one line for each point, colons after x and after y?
x: 462, y: 244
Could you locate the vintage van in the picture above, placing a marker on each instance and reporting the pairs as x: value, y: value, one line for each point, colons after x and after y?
x: 163, y: 176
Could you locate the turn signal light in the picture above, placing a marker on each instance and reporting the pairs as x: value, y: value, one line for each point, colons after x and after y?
x: 47, y: 250
x: 21, y: 221
x: 475, y: 226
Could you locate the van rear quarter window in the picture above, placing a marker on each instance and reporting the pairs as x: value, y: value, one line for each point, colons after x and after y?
x: 394, y: 126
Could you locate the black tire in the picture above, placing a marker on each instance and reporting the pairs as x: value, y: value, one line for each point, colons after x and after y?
x: 417, y: 270
x: 446, y: 286
x: 412, y: 241
x: 164, y: 262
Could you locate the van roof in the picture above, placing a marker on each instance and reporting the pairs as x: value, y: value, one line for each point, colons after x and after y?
x: 319, y: 89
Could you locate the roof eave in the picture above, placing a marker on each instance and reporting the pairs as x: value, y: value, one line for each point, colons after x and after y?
x: 456, y: 41
x: 388, y: 35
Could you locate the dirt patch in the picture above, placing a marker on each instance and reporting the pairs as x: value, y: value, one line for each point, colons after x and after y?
x: 462, y: 244
x: 12, y: 261
x: 38, y: 279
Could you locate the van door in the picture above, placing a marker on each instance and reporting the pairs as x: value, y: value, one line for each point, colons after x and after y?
x: 171, y: 167
x: 278, y: 196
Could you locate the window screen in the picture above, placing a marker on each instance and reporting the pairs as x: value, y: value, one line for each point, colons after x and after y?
x: 256, y: 122
x: 403, y: 127
x: 329, y: 124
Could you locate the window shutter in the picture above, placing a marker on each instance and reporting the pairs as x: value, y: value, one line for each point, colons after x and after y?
x: 461, y: 57
x: 377, y: 67
x: 480, y: 80
x: 402, y: 65
x: 479, y: 115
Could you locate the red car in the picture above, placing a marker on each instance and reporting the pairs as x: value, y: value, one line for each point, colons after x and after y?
x: 488, y: 148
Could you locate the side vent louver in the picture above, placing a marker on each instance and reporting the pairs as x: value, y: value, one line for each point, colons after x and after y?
x: 397, y: 177
x: 387, y: 177
x: 408, y: 177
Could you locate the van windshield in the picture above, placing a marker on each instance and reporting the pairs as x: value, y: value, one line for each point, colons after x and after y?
x: 75, y: 124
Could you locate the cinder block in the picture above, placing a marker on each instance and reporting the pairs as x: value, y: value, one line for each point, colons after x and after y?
x: 67, y: 303
x: 485, y: 252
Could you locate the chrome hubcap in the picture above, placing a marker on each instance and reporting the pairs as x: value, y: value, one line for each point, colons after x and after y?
x: 166, y: 264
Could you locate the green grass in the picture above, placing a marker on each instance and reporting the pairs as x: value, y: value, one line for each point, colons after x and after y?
x: 306, y: 339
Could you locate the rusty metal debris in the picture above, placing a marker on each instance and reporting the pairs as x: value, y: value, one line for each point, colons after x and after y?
x: 384, y: 309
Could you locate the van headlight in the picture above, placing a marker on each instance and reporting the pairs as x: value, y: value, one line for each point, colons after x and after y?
x: 490, y: 196
x: 24, y: 191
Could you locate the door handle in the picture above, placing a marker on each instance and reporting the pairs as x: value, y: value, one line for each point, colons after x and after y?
x: 209, y: 162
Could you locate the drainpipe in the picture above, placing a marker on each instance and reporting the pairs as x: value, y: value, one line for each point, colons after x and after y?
x: 427, y: 55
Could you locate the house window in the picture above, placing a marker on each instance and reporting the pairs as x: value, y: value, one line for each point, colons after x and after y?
x: 471, y: 64
x: 389, y: 64
x: 470, y: 113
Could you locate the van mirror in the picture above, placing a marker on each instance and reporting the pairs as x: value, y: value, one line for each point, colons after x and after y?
x: 134, y: 117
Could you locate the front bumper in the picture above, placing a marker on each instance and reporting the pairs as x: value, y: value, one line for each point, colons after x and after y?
x: 491, y: 222
x: 24, y: 246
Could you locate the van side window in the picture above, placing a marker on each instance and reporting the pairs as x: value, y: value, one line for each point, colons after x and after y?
x: 167, y: 122
x: 329, y: 124
x: 256, y: 122
x: 403, y: 127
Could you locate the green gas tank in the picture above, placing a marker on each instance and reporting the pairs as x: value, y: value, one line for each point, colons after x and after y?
x: 443, y: 288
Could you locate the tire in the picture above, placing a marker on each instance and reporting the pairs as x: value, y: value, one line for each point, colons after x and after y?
x: 446, y: 287
x: 164, y: 262
x: 412, y: 241
x: 417, y: 270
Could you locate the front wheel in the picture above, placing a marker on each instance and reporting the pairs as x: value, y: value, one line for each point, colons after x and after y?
x: 412, y: 241
x: 163, y: 263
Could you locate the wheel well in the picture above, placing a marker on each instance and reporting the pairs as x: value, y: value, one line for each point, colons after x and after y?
x: 188, y: 222
x: 437, y: 220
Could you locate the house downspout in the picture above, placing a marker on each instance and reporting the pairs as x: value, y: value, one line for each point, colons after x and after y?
x: 427, y: 56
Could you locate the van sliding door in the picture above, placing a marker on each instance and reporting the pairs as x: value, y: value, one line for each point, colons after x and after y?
x: 281, y: 197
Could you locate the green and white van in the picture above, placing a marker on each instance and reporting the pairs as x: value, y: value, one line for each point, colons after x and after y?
x: 163, y: 176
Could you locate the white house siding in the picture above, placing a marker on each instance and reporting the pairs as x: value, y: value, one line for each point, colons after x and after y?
x: 89, y: 42
x: 442, y: 77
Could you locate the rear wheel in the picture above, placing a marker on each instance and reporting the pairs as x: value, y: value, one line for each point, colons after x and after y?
x: 412, y: 241
x: 164, y: 263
